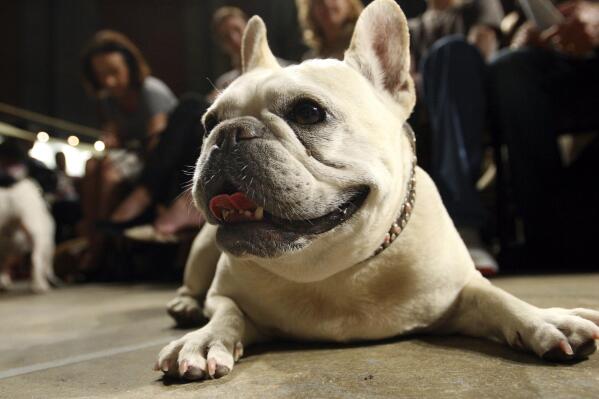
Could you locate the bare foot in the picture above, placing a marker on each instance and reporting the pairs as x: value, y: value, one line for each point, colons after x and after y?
x: 132, y: 206
x: 179, y: 216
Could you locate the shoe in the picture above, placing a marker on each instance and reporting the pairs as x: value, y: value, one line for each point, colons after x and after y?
x: 147, y: 233
x: 484, y: 261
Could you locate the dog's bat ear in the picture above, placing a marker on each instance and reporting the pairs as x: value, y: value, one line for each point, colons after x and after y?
x: 255, y: 52
x: 380, y: 50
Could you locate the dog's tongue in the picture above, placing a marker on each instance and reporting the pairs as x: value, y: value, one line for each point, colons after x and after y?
x: 235, y: 208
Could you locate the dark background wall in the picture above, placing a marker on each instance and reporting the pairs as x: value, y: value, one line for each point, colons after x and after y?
x: 40, y: 41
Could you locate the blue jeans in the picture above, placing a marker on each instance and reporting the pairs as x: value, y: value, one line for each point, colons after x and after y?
x: 453, y: 75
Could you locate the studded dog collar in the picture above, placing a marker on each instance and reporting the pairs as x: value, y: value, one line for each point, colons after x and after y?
x: 408, y: 203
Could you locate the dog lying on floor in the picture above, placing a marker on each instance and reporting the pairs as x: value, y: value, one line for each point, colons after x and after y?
x: 26, y: 227
x: 328, y: 229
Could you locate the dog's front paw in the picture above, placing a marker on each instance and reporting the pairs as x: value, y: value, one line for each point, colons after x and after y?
x: 198, y: 355
x: 561, y: 334
x: 186, y: 311
x: 40, y: 286
x: 5, y: 281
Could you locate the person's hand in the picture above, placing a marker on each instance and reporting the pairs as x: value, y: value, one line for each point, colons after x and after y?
x: 485, y: 39
x: 576, y: 36
x: 527, y: 35
x: 570, y: 37
x: 569, y: 8
x: 110, y: 140
x: 588, y: 13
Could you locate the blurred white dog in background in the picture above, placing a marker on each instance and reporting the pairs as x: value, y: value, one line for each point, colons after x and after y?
x: 26, y: 227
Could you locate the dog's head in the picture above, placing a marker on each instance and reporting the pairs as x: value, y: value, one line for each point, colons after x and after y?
x: 303, y: 167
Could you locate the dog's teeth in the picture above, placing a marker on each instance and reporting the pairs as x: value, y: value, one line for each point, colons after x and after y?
x: 259, y: 213
x: 226, y: 213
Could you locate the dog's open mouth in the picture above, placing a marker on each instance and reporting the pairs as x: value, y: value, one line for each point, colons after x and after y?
x: 237, y: 208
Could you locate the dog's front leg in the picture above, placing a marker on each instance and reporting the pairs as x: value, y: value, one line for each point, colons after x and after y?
x: 185, y: 308
x: 6, y: 260
x: 211, y: 351
x: 484, y: 310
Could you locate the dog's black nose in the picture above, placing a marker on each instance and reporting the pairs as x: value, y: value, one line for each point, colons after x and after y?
x: 230, y: 135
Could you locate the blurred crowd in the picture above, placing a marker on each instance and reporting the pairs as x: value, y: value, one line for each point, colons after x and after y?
x: 498, y: 90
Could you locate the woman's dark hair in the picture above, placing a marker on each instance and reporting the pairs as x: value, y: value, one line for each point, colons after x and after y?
x: 109, y: 41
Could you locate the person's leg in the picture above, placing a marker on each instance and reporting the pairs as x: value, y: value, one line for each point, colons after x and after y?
x: 90, y: 185
x: 453, y: 76
x: 180, y: 215
x: 110, y: 191
x: 165, y: 168
x: 133, y: 205
x: 177, y: 151
x: 531, y: 92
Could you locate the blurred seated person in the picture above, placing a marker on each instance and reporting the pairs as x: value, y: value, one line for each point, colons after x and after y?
x: 327, y: 26
x: 451, y: 42
x: 476, y: 20
x: 163, y: 187
x: 546, y: 85
x: 133, y: 108
x: 180, y: 143
x: 228, y: 25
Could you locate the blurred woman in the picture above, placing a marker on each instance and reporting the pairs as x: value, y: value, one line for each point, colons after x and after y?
x: 327, y: 26
x: 228, y: 24
x: 133, y: 108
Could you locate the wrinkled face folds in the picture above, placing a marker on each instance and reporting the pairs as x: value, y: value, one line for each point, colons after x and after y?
x: 283, y: 161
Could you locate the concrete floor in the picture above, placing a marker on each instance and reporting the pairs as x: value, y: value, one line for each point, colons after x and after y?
x: 101, y: 342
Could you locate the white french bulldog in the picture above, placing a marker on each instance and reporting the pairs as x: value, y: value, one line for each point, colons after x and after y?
x: 26, y: 226
x: 328, y: 230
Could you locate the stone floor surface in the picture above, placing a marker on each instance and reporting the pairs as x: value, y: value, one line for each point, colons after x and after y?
x: 100, y: 341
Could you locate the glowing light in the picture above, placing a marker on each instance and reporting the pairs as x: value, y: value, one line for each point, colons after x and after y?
x: 76, y: 159
x: 73, y: 141
x: 43, y: 137
x: 43, y: 152
x: 99, y: 146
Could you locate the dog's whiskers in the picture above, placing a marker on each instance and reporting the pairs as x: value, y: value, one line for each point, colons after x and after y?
x: 213, y: 86
x: 210, y: 179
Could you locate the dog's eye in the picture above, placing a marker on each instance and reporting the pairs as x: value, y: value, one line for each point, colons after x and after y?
x: 209, y: 123
x: 307, y: 112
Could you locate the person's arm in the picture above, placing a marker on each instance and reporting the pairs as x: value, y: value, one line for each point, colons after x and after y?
x: 484, y: 30
x: 489, y: 13
x: 589, y: 14
x: 159, y: 101
x: 485, y: 39
x: 109, y: 127
x: 110, y: 136
x: 156, y: 125
x: 578, y: 35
